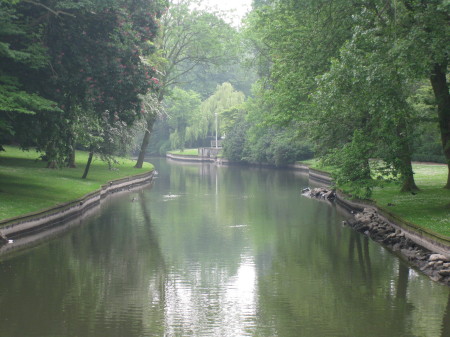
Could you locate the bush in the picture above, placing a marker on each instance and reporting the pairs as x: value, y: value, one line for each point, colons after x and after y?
x: 234, y: 143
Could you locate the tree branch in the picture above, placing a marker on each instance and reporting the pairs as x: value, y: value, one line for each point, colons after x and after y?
x: 56, y: 13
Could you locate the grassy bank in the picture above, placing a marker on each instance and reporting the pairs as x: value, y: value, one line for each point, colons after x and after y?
x: 429, y: 208
x: 27, y: 186
x: 185, y: 152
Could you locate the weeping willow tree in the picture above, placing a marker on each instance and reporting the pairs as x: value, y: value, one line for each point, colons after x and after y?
x: 223, y: 104
x: 189, y: 38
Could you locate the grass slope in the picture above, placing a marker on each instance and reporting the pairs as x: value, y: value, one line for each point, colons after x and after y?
x: 429, y: 208
x: 27, y: 186
x: 185, y: 152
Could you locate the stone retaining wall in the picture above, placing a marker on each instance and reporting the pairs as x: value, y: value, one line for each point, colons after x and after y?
x: 421, y: 236
x: 23, y: 225
x: 197, y: 159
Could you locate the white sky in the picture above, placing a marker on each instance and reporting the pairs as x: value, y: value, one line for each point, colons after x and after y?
x: 241, y: 7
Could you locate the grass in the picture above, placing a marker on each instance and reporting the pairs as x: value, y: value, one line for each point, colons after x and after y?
x: 185, y: 152
x: 26, y: 185
x: 429, y: 208
x: 317, y: 165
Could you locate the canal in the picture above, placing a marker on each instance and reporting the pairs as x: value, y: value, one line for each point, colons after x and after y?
x: 216, y: 251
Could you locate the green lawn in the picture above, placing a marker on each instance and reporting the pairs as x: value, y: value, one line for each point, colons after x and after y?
x: 27, y: 186
x: 429, y: 208
x: 185, y: 152
x: 317, y: 165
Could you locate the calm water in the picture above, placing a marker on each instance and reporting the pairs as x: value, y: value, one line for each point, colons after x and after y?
x: 212, y: 251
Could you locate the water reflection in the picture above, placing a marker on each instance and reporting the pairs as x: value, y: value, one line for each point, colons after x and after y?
x: 217, y: 252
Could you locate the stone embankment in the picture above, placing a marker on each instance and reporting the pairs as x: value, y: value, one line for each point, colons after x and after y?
x: 372, y: 224
x: 21, y: 226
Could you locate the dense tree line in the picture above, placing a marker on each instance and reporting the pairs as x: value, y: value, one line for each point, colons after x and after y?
x: 361, y: 80
x: 361, y: 84
x: 73, y: 72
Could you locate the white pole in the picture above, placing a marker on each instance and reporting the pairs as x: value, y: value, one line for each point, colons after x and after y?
x: 216, y: 130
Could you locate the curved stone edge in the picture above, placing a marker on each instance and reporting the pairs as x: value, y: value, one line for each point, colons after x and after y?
x: 29, y: 223
x: 422, y: 237
x: 189, y: 158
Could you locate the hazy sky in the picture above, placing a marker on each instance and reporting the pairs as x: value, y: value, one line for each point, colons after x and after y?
x: 241, y: 7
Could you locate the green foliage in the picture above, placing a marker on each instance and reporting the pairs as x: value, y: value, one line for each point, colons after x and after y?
x: 190, y: 40
x: 19, y: 52
x: 193, y: 39
x: 353, y: 172
x: 191, y: 122
x: 27, y: 186
x: 235, y: 142
x: 339, y: 66
x: 251, y: 140
x: 225, y: 104
x: 182, y: 109
x: 85, y: 56
x: 296, y: 40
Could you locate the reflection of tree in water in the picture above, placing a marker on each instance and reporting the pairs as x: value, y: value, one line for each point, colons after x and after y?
x: 128, y: 294
x: 104, y: 279
x: 154, y: 316
x: 126, y: 273
x: 338, y: 281
x: 446, y: 319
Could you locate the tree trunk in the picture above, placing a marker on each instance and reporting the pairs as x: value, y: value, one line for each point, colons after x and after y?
x: 440, y: 88
x: 50, y: 156
x: 52, y: 164
x: 88, y: 165
x: 408, y: 183
x: 71, y: 159
x: 145, y: 143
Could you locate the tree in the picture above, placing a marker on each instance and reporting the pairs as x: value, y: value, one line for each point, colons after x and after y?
x: 189, y: 38
x: 84, y: 56
x: 297, y: 38
x: 225, y: 104
x: 182, y: 107
x: 104, y: 138
x: 381, y: 50
x: 363, y: 93
x: 417, y: 36
x: 96, y: 60
x: 20, y: 53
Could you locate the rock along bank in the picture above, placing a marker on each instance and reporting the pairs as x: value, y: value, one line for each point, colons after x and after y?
x: 432, y: 259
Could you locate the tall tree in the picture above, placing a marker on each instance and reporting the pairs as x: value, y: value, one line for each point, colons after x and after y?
x: 381, y: 47
x: 96, y: 59
x: 416, y: 37
x: 182, y: 107
x: 188, y: 38
x: 90, y: 60
x: 21, y: 54
x: 363, y: 99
